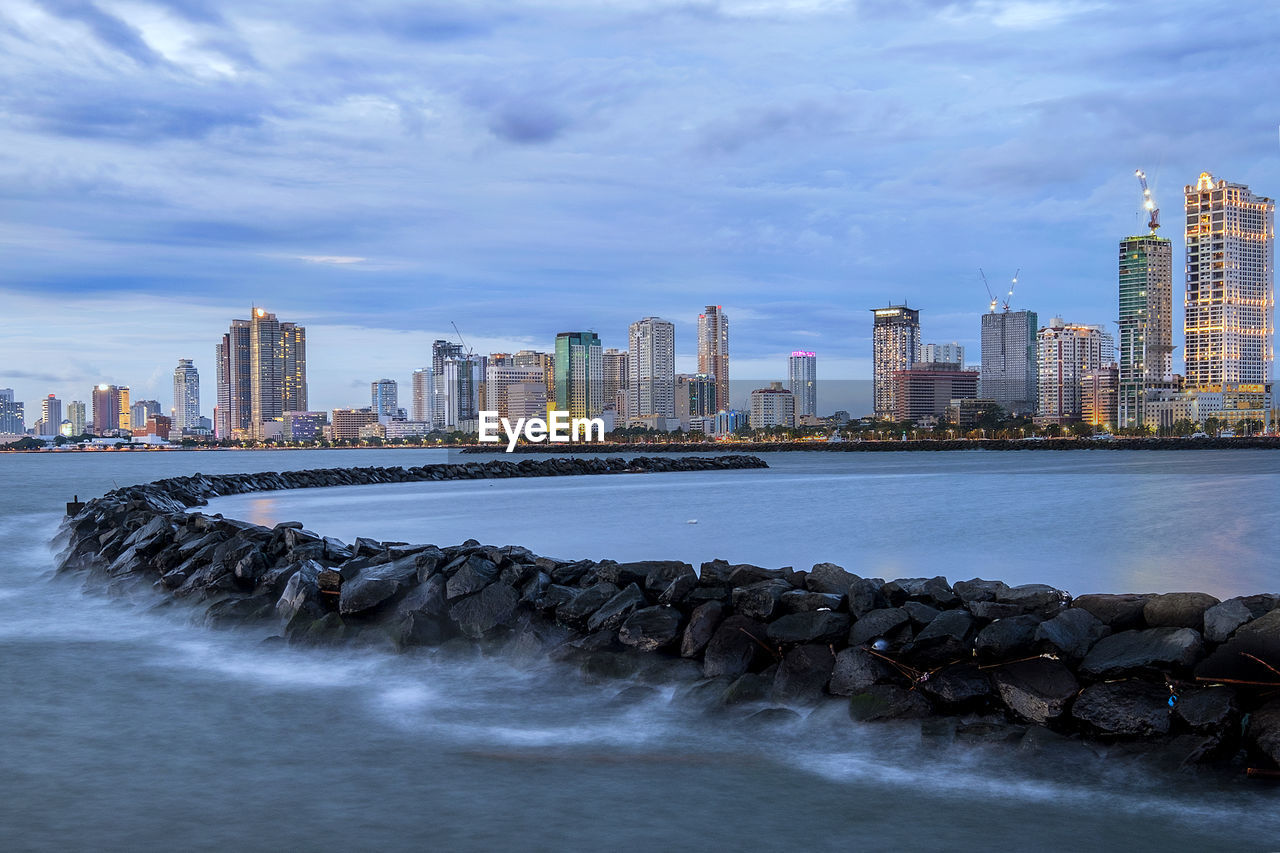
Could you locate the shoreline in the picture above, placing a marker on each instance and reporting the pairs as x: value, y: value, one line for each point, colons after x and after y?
x: 1180, y: 673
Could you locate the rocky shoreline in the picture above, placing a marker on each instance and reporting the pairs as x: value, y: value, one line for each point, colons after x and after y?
x: 1184, y: 674
x: 1257, y: 442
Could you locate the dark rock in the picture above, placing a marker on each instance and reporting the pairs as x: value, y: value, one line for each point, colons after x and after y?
x: 473, y: 575
x: 1037, y: 690
x: 989, y: 731
x: 958, y: 687
x: 1241, y: 658
x: 1263, y: 733
x: 769, y: 718
x: 328, y: 630
x: 803, y: 673
x: 759, y: 600
x: 417, y: 628
x: 855, y: 670
x: 876, y: 624
x: 429, y: 561
x: 945, y: 639
x: 1260, y: 604
x: 375, y: 585
x: 1118, y: 612
x: 745, y: 574
x: 747, y: 688
x: 829, y: 578
x: 820, y: 626
x: 865, y: 596
x: 427, y: 598
x: 989, y: 611
x: 622, y: 574
x: 703, y: 622
x: 1033, y: 598
x: 612, y: 613
x: 715, y: 572
x: 301, y: 592
x: 1007, y: 638
x: 478, y: 614
x: 921, y: 614
x: 1209, y: 709
x: 252, y: 566
x: 1072, y: 632
x: 1132, y: 651
x: 650, y: 628
x: 734, y: 646
x: 585, y: 603
x: 888, y: 702
x: 934, y: 591
x: 1222, y: 620
x: 1178, y: 610
x: 1124, y: 708
x: 800, y: 601
x: 979, y: 590
x: 677, y: 592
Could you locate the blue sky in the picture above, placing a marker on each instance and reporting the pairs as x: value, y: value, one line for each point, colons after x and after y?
x: 376, y: 170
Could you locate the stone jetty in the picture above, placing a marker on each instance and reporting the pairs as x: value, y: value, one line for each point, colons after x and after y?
x: 1256, y: 442
x: 1183, y: 674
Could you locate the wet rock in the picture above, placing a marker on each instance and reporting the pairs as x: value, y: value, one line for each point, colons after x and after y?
x: 585, y: 603
x: 864, y: 596
x: 1209, y: 709
x: 612, y: 613
x: 473, y: 575
x: 1222, y: 620
x: 302, y: 592
x: 427, y: 598
x: 770, y: 718
x: 958, y: 687
x: 1178, y: 610
x: 1263, y: 733
x: 745, y: 574
x: 1246, y: 656
x: 677, y: 591
x: 820, y: 626
x: 375, y: 585
x: 803, y: 673
x: 989, y: 731
x: 876, y: 624
x: 888, y: 702
x: 1124, y: 708
x: 734, y: 646
x: 1007, y: 638
x: 478, y: 614
x: 429, y: 561
x: 703, y: 622
x: 855, y: 670
x: 759, y: 600
x: 419, y: 629
x: 650, y: 628
x: 1033, y: 598
x: 1261, y: 604
x: 1036, y: 690
x: 1118, y: 612
x: 252, y: 566
x: 921, y: 614
x: 979, y: 590
x: 328, y: 630
x: 935, y: 591
x: 829, y: 578
x: 945, y: 639
x: 801, y: 601
x: 1072, y: 632
x: 747, y: 688
x: 1133, y: 651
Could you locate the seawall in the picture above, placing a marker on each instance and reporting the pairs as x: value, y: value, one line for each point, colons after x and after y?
x: 1183, y: 673
x: 1258, y: 442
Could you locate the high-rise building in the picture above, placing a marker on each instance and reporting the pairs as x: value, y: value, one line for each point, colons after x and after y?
x: 802, y: 379
x: 615, y: 376
x: 262, y: 373
x: 384, y: 398
x: 141, y: 411
x: 1010, y: 374
x: 651, y: 372
x: 544, y: 360
x: 1145, y: 324
x: 76, y: 415
x: 234, y: 411
x: 895, y: 345
x: 106, y: 409
x: 1230, y: 296
x: 12, y: 415
x: 423, y: 395
x: 526, y: 400
x: 695, y: 398
x: 772, y: 407
x: 347, y: 423
x: 713, y: 350
x: 457, y: 403
x: 1067, y: 352
x: 1099, y: 396
x: 927, y: 389
x: 50, y: 415
x: 186, y: 396
x: 126, y: 410
x: 266, y: 371
x: 579, y: 374
x: 440, y: 351
x: 952, y: 353
x: 293, y: 352
x: 500, y: 377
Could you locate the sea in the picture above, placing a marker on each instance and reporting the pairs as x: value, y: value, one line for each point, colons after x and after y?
x: 128, y: 724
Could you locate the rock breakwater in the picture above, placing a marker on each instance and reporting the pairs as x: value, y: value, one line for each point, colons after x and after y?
x: 1259, y: 442
x: 1183, y: 674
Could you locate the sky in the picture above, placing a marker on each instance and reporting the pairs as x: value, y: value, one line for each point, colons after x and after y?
x: 378, y: 171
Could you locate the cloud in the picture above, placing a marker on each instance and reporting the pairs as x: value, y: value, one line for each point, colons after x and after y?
x: 336, y: 260
x: 109, y: 30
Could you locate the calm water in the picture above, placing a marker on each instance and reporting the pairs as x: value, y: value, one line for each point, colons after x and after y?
x: 126, y: 727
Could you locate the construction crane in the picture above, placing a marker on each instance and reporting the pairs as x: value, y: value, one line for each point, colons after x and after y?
x: 467, y: 351
x: 987, y: 285
x: 1012, y: 285
x: 1148, y: 202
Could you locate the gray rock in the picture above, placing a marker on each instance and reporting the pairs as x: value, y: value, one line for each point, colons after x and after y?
x: 958, y: 687
x: 821, y: 626
x: 803, y: 673
x: 829, y: 578
x: 478, y: 614
x: 1118, y: 612
x: 1132, y: 651
x: 427, y: 598
x: 1209, y: 709
x: 703, y: 622
x: 677, y: 591
x: 733, y: 646
x: 1007, y: 638
x: 1263, y: 733
x: 252, y: 566
x: 1178, y: 610
x: 419, y: 629
x: 1033, y: 598
x: 747, y: 688
x: 934, y: 591
x: 801, y: 601
x: 759, y: 600
x: 888, y: 702
x: 921, y: 614
x: 1238, y: 658
x: 585, y: 603
x: 301, y: 592
x: 650, y: 628
x: 1037, y: 690
x: 612, y: 613
x: 1072, y: 632
x: 979, y: 590
x: 864, y: 596
x: 855, y: 670
x: 473, y: 575
x: 1222, y: 620
x: 1260, y: 604
x: 945, y: 639
x: 375, y: 585
x: 1124, y: 708
x: 745, y: 574
x: 989, y: 611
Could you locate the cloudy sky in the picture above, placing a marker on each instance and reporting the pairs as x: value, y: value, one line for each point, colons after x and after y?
x: 377, y: 170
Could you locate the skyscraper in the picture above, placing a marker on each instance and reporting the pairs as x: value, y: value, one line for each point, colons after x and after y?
x: 423, y: 396
x: 895, y: 345
x: 142, y: 411
x: 76, y: 415
x: 441, y: 350
x: 802, y: 380
x: 50, y: 415
x: 457, y: 403
x: 713, y: 350
x: 266, y: 371
x: 952, y: 353
x: 1067, y: 352
x: 384, y: 398
x: 12, y: 416
x: 615, y: 378
x: 544, y: 360
x: 262, y: 373
x: 1230, y: 296
x: 106, y: 409
x: 186, y: 396
x: 234, y: 410
x: 293, y: 352
x: 500, y: 376
x: 579, y: 374
x: 1009, y: 374
x: 651, y: 370
x: 1145, y: 324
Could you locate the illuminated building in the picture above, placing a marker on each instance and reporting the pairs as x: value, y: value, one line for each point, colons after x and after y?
x: 774, y: 406
x: 615, y: 380
x: 651, y: 373
x: 1067, y: 352
x: 952, y: 353
x: 76, y: 415
x: 713, y: 350
x: 12, y: 415
x: 802, y: 375
x: 579, y: 374
x: 1145, y: 324
x: 498, y: 381
x: 293, y: 352
x: 526, y: 400
x: 895, y: 345
x: 1100, y: 396
x: 927, y: 388
x: 186, y: 396
x: 234, y: 410
x: 384, y: 397
x: 126, y: 411
x: 347, y: 423
x: 262, y: 373
x: 695, y: 398
x: 304, y: 426
x: 1010, y: 374
x: 423, y: 395
x: 544, y: 360
x: 50, y: 415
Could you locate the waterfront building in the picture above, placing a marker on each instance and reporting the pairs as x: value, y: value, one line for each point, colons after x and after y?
x: 695, y: 398
x: 651, y: 369
x: 50, y: 415
x: 724, y: 422
x: 234, y: 410
x: 106, y: 409
x: 126, y: 411
x: 293, y: 353
x: 544, y: 360
x: 579, y: 374
x: 384, y: 398
x: 895, y: 345
x: 952, y: 353
x: 441, y: 351
x: 1009, y: 369
x: 423, y: 395
x: 802, y: 376
x: 158, y: 425
x: 407, y: 429
x: 615, y: 373
x: 261, y: 374
x: 498, y: 381
x: 926, y: 389
x: 1067, y: 351
x: 774, y: 406
x: 1145, y: 325
x: 76, y: 416
x: 713, y: 350
x: 140, y: 411
x: 304, y: 426
x: 186, y: 396
x: 967, y: 413
x: 526, y: 400
x: 347, y: 423
x: 12, y: 414
x: 266, y: 371
x: 457, y: 403
x: 1100, y: 396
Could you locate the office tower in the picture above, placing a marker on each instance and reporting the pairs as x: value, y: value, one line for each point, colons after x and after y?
x: 293, y: 351
x: 1099, y: 396
x: 50, y: 415
x: 423, y: 395
x: 347, y: 423
x: 12, y: 415
x: 544, y: 360
x: 772, y: 407
x: 266, y: 371
x: 802, y: 379
x: 141, y: 411
x: 384, y: 398
x: 615, y: 375
x: 234, y: 411
x: 186, y: 396
x: 952, y: 353
x: 927, y: 389
x: 713, y: 350
x: 76, y: 415
x: 526, y: 400
x: 695, y: 398
x: 126, y: 410
x: 106, y: 409
x: 457, y: 403
x: 1067, y: 352
x: 1010, y: 374
x: 1230, y: 296
x: 895, y: 345
x: 1145, y: 324
x: 651, y: 370
x: 304, y: 426
x: 262, y: 373
x: 500, y: 377
x: 579, y: 374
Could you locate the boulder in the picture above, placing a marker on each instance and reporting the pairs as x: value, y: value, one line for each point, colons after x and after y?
x: 888, y: 702
x: 1036, y: 690
x: 855, y: 670
x: 427, y: 598
x: 734, y: 646
x: 585, y: 603
x: 1033, y: 598
x: 759, y: 600
x: 677, y: 591
x: 612, y: 613
x: 417, y: 628
x: 803, y: 673
x: 829, y: 578
x: 478, y: 614
x: 703, y: 622
x: 1133, y: 651
x: 1249, y: 654
x: 935, y: 591
x: 876, y: 624
x: 1124, y: 708
x: 820, y: 626
x: 747, y: 688
x: 375, y: 585
x: 1209, y: 709
x: 944, y: 640
x: 650, y: 628
x: 978, y: 590
x: 958, y: 687
x: 1222, y: 620
x: 745, y: 574
x: 801, y: 601
x: 1263, y: 733
x: 473, y: 575
x: 864, y: 596
x: 1118, y: 612
x: 1072, y: 632
x: 1178, y: 610
x: 301, y: 593
x: 1007, y: 638
x: 921, y: 614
